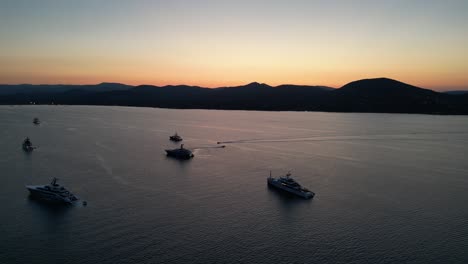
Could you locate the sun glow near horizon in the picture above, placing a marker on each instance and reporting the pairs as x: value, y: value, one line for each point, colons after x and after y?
x: 221, y: 43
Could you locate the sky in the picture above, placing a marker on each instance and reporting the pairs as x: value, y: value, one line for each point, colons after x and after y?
x: 226, y: 43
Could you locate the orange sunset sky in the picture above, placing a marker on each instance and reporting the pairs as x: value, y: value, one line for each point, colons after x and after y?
x: 227, y: 43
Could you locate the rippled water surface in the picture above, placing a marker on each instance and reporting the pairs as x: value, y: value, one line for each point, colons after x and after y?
x: 389, y: 188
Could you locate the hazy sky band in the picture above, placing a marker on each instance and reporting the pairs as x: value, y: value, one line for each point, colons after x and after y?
x: 218, y: 43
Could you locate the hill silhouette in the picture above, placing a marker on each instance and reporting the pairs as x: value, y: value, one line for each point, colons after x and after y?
x: 387, y: 95
x: 382, y: 87
x: 8, y: 89
x: 381, y: 95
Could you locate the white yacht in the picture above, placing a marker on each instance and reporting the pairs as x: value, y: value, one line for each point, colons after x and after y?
x: 52, y: 192
x: 288, y: 184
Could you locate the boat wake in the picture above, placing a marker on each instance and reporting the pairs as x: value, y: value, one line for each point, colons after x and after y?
x: 108, y: 169
x: 211, y: 147
x: 401, y: 137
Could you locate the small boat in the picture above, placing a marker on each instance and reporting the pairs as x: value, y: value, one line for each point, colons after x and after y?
x: 27, y: 145
x: 36, y: 121
x: 180, y: 153
x: 52, y: 192
x: 175, y: 138
x: 288, y: 184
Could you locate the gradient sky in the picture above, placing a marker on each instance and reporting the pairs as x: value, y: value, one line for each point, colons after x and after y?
x: 224, y: 43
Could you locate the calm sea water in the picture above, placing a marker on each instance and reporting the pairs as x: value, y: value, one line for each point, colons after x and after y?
x: 389, y: 188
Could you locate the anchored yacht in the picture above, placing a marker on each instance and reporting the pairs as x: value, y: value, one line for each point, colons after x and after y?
x: 27, y: 145
x: 175, y: 137
x: 52, y: 192
x: 288, y: 184
x: 180, y: 153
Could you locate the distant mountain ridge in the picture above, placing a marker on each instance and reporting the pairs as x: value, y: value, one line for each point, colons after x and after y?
x: 381, y: 95
x: 6, y: 89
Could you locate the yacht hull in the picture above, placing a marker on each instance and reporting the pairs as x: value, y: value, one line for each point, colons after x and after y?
x: 177, y: 154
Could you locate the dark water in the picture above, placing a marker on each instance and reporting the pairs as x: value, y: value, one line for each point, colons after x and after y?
x: 389, y: 188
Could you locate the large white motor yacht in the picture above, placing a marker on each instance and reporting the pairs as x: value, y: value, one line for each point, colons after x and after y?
x: 52, y: 192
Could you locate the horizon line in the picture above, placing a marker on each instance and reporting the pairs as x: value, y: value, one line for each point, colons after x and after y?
x: 443, y: 89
